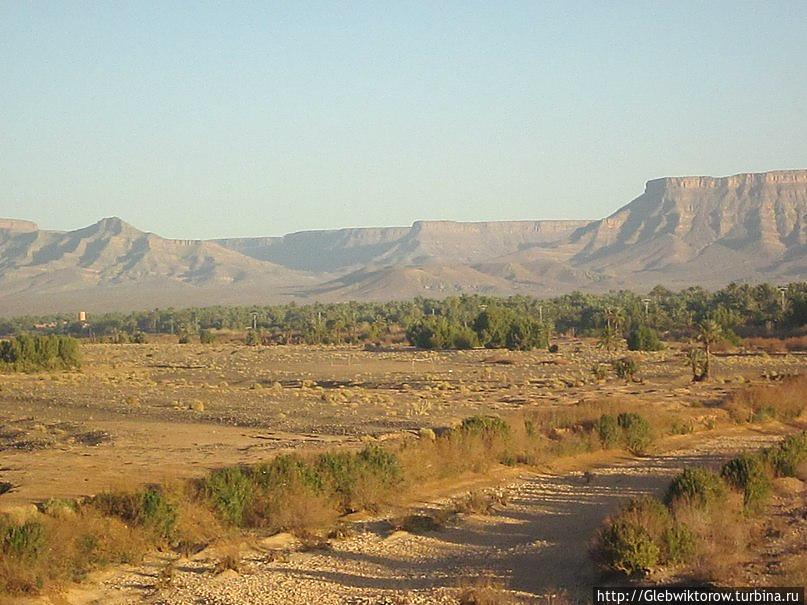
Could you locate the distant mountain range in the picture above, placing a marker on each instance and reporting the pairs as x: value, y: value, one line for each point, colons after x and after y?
x: 681, y: 231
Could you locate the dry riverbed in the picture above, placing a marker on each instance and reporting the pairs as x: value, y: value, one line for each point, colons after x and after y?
x: 534, y: 545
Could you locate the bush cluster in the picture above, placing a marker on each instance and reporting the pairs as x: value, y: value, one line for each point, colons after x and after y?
x: 648, y: 532
x: 641, y: 536
x: 785, y: 458
x: 643, y: 338
x: 339, y: 482
x: 493, y: 328
x: 293, y: 493
x: 628, y: 430
x: 749, y: 474
x: 26, y: 353
x: 440, y: 333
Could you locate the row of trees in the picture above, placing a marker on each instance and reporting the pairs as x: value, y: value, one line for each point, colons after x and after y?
x: 738, y: 308
x: 26, y: 352
x: 495, y: 327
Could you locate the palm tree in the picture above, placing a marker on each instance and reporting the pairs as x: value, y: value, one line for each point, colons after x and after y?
x: 709, y: 332
x: 608, y: 338
x: 614, y: 317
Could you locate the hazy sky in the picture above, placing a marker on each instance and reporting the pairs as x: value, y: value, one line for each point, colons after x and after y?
x: 222, y: 119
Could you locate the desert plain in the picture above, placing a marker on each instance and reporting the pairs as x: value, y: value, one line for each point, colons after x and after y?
x: 153, y: 413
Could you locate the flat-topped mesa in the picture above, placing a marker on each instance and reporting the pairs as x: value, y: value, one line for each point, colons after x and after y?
x: 503, y: 227
x: 741, y: 219
x: 18, y: 226
x: 736, y: 181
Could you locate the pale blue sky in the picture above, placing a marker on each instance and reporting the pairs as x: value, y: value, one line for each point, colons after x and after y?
x: 225, y: 119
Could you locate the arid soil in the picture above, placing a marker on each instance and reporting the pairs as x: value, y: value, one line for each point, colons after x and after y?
x: 139, y: 413
x: 534, y: 545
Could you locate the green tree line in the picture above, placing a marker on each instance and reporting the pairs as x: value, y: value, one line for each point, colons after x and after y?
x: 27, y: 352
x: 472, y: 320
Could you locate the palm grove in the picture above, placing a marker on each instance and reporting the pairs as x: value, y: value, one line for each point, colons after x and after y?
x: 517, y: 322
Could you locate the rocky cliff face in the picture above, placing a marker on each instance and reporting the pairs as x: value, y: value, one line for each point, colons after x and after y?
x: 677, y: 220
x: 111, y: 262
x: 425, y: 242
x: 10, y: 224
x: 680, y: 231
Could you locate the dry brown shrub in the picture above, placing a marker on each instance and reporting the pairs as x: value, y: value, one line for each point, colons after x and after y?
x: 72, y: 548
x: 418, y: 523
x: 298, y: 509
x: 784, y: 401
x: 477, y: 502
x: 723, y: 532
x: 448, y: 456
x: 484, y: 591
x: 197, y: 527
x: 778, y: 345
x: 229, y: 557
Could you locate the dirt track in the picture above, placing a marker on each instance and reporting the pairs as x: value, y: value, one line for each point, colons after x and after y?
x: 536, y: 545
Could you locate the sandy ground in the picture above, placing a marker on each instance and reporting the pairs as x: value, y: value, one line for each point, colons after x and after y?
x: 145, y: 413
x: 536, y: 545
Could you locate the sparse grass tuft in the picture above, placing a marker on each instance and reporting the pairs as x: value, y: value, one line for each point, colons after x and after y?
x: 478, y: 502
x: 484, y: 591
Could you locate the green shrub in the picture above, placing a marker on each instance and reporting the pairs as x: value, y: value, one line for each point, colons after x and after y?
x: 525, y: 334
x: 159, y: 513
x: 749, y: 474
x: 627, y: 548
x: 643, y: 338
x: 642, y: 535
x: 149, y: 508
x: 489, y: 426
x: 696, y: 485
x: 678, y: 544
x: 354, y: 478
x: 625, y: 367
x: 26, y: 353
x: 636, y: 432
x: 287, y: 470
x: 230, y: 491
x: 25, y: 541
x: 440, y: 333
x: 339, y: 472
x: 464, y: 338
x: 206, y: 337
x: 786, y: 457
x: 381, y: 463
x: 609, y: 431
x: 630, y: 542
